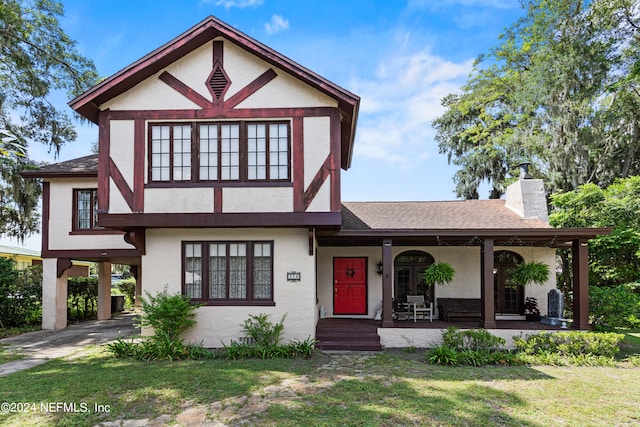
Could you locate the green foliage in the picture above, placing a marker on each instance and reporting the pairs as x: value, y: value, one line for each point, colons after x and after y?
x: 82, y: 297
x: 473, y: 339
x: 245, y: 350
x: 20, y: 294
x: 572, y: 343
x: 531, y: 272
x: 441, y: 273
x: 560, y: 90
x: 168, y: 315
x: 159, y: 348
x: 262, y: 331
x: 128, y: 288
x: 38, y: 59
x: 263, y: 341
x: 614, y: 259
x: 614, y: 307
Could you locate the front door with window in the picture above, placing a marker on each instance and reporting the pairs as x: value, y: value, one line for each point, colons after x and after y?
x: 508, y: 296
x: 349, y: 286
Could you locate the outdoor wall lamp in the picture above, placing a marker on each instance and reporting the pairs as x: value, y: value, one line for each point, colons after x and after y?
x: 379, y: 268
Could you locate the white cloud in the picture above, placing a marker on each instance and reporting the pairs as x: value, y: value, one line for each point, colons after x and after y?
x: 277, y: 24
x: 241, y: 4
x: 399, y: 102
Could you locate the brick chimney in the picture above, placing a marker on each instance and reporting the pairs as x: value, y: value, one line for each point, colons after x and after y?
x: 527, y: 197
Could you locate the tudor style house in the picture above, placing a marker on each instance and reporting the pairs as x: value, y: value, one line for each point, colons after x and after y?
x: 218, y: 176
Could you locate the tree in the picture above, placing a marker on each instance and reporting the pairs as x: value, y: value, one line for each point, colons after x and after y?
x: 613, y: 259
x: 37, y: 61
x: 559, y: 91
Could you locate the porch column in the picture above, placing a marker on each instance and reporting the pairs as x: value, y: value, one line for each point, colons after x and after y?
x: 487, y: 307
x: 54, y: 295
x: 104, y: 290
x: 387, y: 284
x: 580, y: 266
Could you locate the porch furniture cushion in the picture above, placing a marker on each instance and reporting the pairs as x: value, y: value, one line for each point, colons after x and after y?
x: 458, y: 307
x: 419, y: 306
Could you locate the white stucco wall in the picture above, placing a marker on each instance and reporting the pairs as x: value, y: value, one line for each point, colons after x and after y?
x: 121, y: 148
x: 257, y: 199
x: 61, y: 214
x: 465, y: 260
x: 175, y: 200
x: 161, y: 266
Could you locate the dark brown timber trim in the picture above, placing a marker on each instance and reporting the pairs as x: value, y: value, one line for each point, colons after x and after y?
x: 138, y: 165
x: 318, y: 180
x: 334, y: 167
x: 297, y: 148
x: 217, y: 200
x: 62, y: 265
x: 97, y: 254
x: 251, y: 88
x: 387, y: 283
x: 197, y: 220
x: 122, y: 185
x: 185, y: 90
x: 137, y: 238
x: 580, y: 266
x: 217, y: 113
x: 46, y: 199
x: 104, y: 142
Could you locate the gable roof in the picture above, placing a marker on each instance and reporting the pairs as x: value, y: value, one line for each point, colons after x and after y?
x: 82, y: 167
x: 88, y: 104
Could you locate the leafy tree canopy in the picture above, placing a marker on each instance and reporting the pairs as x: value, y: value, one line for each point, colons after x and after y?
x: 37, y: 61
x: 561, y: 90
x: 615, y: 258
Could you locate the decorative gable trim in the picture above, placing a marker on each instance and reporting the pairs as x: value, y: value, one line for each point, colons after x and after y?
x: 185, y: 90
x: 88, y: 104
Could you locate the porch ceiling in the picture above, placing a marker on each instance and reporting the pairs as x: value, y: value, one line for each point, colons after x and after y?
x: 542, y: 237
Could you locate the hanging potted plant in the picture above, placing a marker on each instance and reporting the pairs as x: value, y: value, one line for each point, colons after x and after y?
x: 531, y: 272
x: 440, y: 273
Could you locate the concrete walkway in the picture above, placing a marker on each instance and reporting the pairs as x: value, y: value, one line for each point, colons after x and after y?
x: 40, y: 346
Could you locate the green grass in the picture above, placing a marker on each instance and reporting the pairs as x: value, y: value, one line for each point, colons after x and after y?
x: 17, y: 330
x: 7, y: 356
x: 390, y: 388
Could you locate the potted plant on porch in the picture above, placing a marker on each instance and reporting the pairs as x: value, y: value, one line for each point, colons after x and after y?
x: 440, y: 273
x: 531, y: 272
x: 531, y: 310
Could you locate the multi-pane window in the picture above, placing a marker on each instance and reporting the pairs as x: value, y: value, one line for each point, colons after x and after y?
x: 228, y: 271
x: 86, y: 209
x: 171, y: 153
x: 244, y: 152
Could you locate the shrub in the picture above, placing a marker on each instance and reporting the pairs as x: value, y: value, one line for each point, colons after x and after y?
x: 128, y: 288
x: 20, y: 294
x: 168, y: 315
x: 264, y: 341
x: 617, y: 307
x: 442, y: 355
x: 263, y: 332
x: 570, y: 343
x: 83, y: 297
x: 474, y: 339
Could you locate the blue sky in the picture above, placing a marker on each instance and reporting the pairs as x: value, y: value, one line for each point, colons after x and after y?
x: 400, y: 57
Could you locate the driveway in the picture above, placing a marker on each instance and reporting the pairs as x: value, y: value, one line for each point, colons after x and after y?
x: 40, y: 346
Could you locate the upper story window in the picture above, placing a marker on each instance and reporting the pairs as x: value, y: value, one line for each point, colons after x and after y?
x: 85, y: 209
x: 223, y: 152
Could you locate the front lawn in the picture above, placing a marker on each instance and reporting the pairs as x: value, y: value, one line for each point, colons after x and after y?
x: 388, y: 388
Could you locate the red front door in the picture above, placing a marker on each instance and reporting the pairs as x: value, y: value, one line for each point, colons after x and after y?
x: 349, y: 286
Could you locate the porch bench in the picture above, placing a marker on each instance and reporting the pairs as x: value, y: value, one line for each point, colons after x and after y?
x: 458, y: 307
